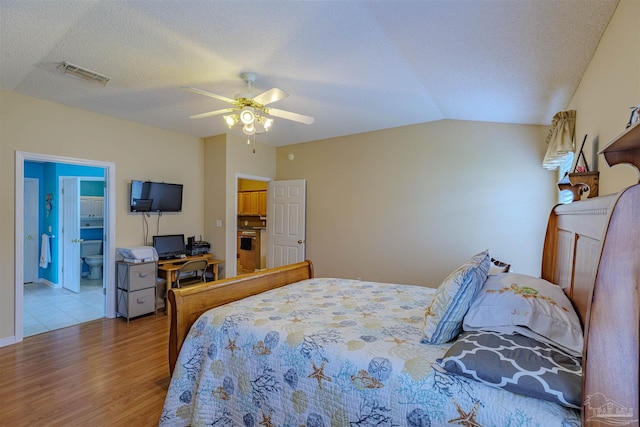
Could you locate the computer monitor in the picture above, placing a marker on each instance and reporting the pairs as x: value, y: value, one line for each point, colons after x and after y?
x: 169, y: 246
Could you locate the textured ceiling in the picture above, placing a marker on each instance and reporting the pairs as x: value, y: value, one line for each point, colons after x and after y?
x: 355, y: 66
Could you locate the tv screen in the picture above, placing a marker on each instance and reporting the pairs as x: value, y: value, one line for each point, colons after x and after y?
x: 169, y: 246
x: 147, y: 196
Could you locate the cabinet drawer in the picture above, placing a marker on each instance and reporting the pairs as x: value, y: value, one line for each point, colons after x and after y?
x: 132, y: 304
x: 133, y: 277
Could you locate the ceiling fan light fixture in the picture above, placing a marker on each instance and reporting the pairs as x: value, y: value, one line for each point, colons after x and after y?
x: 249, y: 129
x: 247, y: 116
x: 266, y: 123
x: 250, y: 111
x: 231, y: 120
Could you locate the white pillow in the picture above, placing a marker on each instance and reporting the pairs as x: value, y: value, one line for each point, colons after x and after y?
x: 515, y: 303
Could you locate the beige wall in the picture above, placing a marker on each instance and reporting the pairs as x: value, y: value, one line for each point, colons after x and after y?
x: 408, y: 205
x: 243, y: 162
x: 215, y: 159
x: 609, y: 87
x: 139, y: 152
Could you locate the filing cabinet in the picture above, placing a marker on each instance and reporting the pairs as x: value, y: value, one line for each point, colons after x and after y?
x: 136, y: 288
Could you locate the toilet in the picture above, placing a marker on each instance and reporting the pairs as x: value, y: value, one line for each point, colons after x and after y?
x: 91, y: 253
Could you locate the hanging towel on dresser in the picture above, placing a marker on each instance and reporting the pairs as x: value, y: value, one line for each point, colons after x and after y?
x: 45, y: 252
x: 245, y: 243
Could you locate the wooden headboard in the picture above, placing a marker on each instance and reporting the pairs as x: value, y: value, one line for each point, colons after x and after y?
x: 572, y: 248
x: 592, y: 250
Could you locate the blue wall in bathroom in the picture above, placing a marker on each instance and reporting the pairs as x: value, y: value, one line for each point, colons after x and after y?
x: 48, y: 175
x: 92, y: 188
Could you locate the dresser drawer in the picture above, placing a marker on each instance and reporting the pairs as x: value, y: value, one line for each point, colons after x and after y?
x: 137, y: 303
x: 133, y: 277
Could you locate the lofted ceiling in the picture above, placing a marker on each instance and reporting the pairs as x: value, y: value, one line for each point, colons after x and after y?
x: 356, y: 66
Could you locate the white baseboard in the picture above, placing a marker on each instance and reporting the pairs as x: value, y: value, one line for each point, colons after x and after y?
x: 49, y: 283
x: 7, y: 341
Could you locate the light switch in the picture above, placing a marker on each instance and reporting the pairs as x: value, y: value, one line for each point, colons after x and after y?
x: 218, y: 223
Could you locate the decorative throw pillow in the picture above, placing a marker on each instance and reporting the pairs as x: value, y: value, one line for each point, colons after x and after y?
x: 497, y: 266
x: 515, y: 303
x: 443, y: 318
x: 518, y: 364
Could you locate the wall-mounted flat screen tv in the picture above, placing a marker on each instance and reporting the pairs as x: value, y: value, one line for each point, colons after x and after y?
x: 148, y: 196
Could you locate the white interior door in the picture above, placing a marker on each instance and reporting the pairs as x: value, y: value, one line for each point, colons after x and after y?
x: 31, y: 238
x: 70, y: 211
x: 286, y: 213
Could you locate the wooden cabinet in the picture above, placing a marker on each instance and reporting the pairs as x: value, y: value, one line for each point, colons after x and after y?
x: 91, y: 207
x: 248, y: 250
x: 244, y: 203
x: 252, y: 203
x: 136, y: 288
x: 262, y: 203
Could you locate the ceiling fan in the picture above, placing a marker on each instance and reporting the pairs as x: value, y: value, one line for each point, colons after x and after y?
x: 251, y: 111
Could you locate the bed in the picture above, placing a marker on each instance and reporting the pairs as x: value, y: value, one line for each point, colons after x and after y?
x: 281, y: 347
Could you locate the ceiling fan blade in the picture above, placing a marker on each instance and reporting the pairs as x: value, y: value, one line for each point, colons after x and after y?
x: 270, y: 96
x: 209, y: 94
x: 213, y: 113
x: 289, y: 115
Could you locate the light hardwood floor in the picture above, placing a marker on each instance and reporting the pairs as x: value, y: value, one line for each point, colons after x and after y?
x: 101, y: 373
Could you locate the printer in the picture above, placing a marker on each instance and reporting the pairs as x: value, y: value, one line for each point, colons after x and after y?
x: 197, y: 247
x: 137, y: 254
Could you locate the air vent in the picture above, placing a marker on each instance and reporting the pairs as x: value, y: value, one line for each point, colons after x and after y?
x: 83, y: 73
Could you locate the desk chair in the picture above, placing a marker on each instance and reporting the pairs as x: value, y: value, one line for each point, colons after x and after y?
x: 192, y: 272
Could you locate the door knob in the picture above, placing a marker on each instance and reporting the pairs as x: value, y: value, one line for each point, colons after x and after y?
x: 300, y: 242
x: 29, y: 237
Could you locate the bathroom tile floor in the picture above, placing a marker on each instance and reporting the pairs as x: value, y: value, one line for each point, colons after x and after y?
x: 47, y: 308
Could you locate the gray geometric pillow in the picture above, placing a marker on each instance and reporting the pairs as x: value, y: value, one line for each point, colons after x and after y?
x: 518, y: 364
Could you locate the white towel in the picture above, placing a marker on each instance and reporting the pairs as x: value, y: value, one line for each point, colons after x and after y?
x: 45, y: 252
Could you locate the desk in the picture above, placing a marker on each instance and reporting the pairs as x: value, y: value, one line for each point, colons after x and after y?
x: 168, y: 269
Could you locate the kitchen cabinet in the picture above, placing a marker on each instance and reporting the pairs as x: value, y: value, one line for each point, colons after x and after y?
x: 262, y: 203
x: 244, y: 203
x: 252, y: 203
x: 91, y: 207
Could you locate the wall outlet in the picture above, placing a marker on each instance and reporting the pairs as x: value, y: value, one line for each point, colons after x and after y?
x: 218, y: 223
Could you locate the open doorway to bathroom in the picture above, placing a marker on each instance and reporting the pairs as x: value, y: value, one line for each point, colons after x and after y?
x: 69, y: 284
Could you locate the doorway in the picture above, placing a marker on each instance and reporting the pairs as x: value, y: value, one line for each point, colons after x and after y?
x: 251, y: 216
x: 246, y: 183
x: 105, y: 291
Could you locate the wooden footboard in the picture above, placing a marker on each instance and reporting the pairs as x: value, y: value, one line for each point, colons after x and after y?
x: 187, y: 304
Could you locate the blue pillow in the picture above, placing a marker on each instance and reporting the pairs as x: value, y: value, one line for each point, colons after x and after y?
x: 443, y: 318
